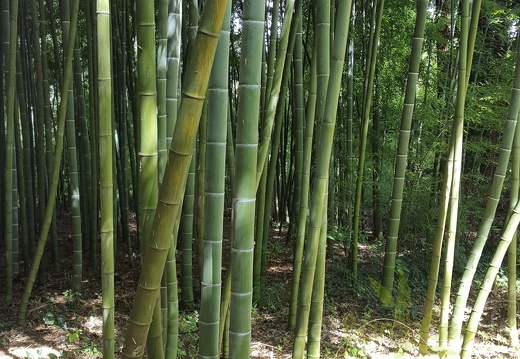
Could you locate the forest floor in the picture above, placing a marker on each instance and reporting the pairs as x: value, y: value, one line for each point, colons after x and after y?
x: 64, y: 324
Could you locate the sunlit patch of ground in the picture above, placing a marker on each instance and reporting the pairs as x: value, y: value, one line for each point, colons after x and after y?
x: 262, y: 350
x: 388, y: 338
x: 34, y: 352
x: 57, y: 328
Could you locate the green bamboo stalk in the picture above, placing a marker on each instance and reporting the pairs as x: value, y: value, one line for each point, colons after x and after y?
x: 350, y: 112
x: 133, y: 127
x: 217, y: 106
x: 273, y: 95
x: 322, y: 25
x: 172, y: 333
x: 243, y: 217
x: 302, y: 220
x: 173, y: 60
x: 54, y: 36
x: 172, y: 300
x: 164, y: 309
x: 148, y: 142
x: 162, y: 45
x: 40, y: 129
x: 93, y: 123
x: 186, y: 237
x: 394, y: 220
x: 260, y: 193
x: 260, y: 227
x: 200, y: 177
x: 271, y: 52
x: 9, y: 153
x: 106, y: 173
x: 161, y: 83
x: 286, y: 176
x: 187, y: 223
x: 318, y: 289
x: 225, y: 340
x: 174, y: 180
x: 53, y: 188
x: 230, y: 151
x: 512, y: 251
x: 73, y: 169
x: 376, y: 162
x: 146, y: 78
x: 473, y: 28
x: 263, y: 85
x: 84, y: 149
x: 299, y: 116
x: 47, y: 113
x: 20, y: 165
x: 123, y: 171
x: 332, y: 204
x: 324, y: 150
x: 28, y: 170
x: 154, y: 341
x: 123, y: 134
x: 4, y: 74
x: 172, y: 82
x: 199, y: 155
x: 223, y: 330
x: 364, y: 133
x: 49, y: 126
x: 264, y: 250
x: 16, y: 230
x: 193, y: 24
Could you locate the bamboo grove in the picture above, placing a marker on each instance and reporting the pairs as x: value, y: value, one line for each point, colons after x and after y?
x: 218, y: 122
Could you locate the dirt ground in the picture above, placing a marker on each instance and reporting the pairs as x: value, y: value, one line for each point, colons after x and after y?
x: 68, y: 325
